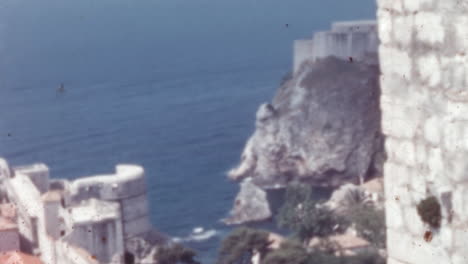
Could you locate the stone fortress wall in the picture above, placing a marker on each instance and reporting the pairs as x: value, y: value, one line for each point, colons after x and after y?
x: 86, y: 221
x: 424, y: 102
x: 345, y: 40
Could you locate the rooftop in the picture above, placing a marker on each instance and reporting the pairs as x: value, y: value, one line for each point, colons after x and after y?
x: 52, y: 196
x: 31, y: 168
x: 7, y: 224
x: 345, y: 241
x: 275, y: 240
x: 94, y: 210
x: 374, y: 185
x: 8, y: 211
x: 354, y: 26
x: 15, y: 257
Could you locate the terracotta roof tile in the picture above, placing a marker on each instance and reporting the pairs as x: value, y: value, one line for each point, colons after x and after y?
x: 7, y: 224
x: 16, y: 257
x: 8, y: 210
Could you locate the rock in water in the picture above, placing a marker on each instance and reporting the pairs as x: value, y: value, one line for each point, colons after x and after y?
x: 322, y: 128
x: 251, y: 204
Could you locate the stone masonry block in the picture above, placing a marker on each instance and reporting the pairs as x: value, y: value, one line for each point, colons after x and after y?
x: 385, y: 25
x: 453, y: 72
x: 400, y: 194
x: 460, y: 24
x: 460, y: 258
x: 394, y: 261
x: 393, y: 86
x: 421, y: 152
x: 436, y: 164
x: 392, y: 5
x: 429, y: 70
x: 457, y: 111
x: 418, y: 183
x: 393, y: 214
x: 432, y: 129
x: 403, y: 29
x: 446, y: 236
x: 429, y: 27
x: 416, y: 5
x: 398, y: 175
x: 460, y: 239
x: 457, y: 166
x: 455, y: 135
x: 452, y: 6
x: 460, y: 203
x: 398, y: 127
x: 412, y: 221
x: 394, y: 61
x: 414, y: 249
x: 406, y: 153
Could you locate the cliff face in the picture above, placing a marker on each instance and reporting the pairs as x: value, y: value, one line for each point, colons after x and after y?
x: 322, y: 128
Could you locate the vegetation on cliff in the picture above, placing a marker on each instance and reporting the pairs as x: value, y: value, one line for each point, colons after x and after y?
x: 369, y: 223
x: 241, y: 245
x: 175, y: 254
x: 307, y: 218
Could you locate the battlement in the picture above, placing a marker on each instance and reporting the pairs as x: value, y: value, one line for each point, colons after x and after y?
x: 347, y: 40
x: 128, y: 181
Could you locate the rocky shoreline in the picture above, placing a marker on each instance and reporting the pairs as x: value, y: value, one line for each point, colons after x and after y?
x: 321, y: 129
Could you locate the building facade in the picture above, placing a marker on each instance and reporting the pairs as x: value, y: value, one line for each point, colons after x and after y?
x: 86, y: 221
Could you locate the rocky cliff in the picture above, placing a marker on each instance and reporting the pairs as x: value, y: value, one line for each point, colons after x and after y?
x: 322, y: 128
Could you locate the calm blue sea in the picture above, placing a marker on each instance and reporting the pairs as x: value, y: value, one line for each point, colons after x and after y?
x: 172, y: 85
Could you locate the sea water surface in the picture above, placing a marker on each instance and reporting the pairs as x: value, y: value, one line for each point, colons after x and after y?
x: 170, y: 85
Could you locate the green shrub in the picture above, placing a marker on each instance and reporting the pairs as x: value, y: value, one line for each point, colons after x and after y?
x: 368, y: 257
x: 369, y: 223
x: 175, y: 254
x: 305, y: 217
x: 288, y: 253
x: 429, y: 211
x: 239, y: 246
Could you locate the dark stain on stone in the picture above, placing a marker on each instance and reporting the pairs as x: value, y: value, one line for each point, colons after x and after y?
x: 397, y: 198
x: 428, y: 236
x: 351, y: 59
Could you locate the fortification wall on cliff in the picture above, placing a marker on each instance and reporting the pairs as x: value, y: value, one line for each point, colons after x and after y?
x: 424, y: 104
x: 349, y: 39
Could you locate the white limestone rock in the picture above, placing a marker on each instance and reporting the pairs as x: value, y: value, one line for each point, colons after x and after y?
x: 322, y: 128
x: 251, y: 205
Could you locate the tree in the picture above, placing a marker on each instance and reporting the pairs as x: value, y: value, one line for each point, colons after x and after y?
x: 370, y: 223
x: 307, y: 218
x: 288, y: 253
x: 175, y: 254
x: 240, y: 246
x: 367, y: 257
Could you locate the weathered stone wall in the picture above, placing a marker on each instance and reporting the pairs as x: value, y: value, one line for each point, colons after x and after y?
x: 424, y: 106
x: 127, y: 187
x: 303, y: 50
x: 348, y: 39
